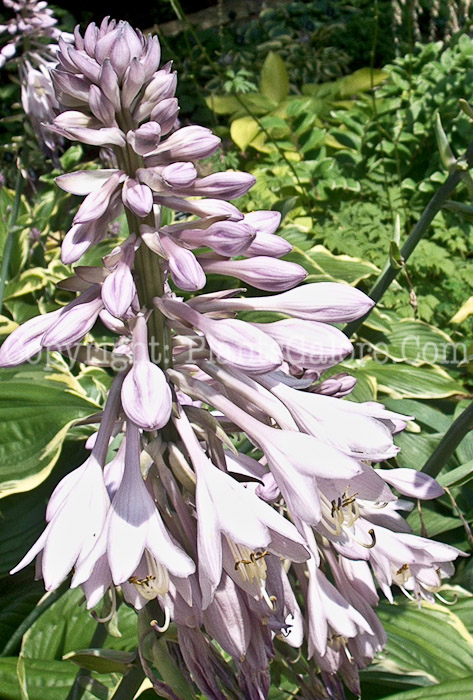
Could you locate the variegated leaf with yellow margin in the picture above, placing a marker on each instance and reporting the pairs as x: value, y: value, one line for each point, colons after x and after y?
x: 39, y: 404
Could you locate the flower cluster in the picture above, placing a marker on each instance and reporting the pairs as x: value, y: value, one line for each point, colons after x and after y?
x: 217, y: 536
x: 32, y: 35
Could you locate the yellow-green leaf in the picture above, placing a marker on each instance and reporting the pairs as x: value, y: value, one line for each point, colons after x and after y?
x: 464, y: 311
x: 222, y: 104
x: 243, y: 131
x: 274, y: 80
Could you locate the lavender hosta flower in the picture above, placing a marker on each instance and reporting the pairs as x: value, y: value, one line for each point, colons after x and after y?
x: 186, y: 271
x: 232, y: 341
x: 264, y: 224
x: 262, y: 272
x: 34, y: 22
x: 412, y: 483
x: 225, y: 508
x: 311, y: 505
x: 118, y: 289
x: 39, y: 103
x: 146, y: 396
x: 197, y: 652
x: 132, y: 526
x: 226, y: 238
x: 74, y: 321
x: 308, y: 344
x: 25, y: 341
x: 186, y: 144
x: 363, y: 437
x: 329, y: 613
x: 327, y: 302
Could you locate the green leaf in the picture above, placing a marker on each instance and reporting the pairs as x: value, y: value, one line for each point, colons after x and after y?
x: 361, y: 80
x: 102, y: 660
x: 222, y: 104
x: 72, y: 157
x: 38, y: 408
x: 432, y: 641
x: 433, y: 522
x: 274, y: 80
x: 323, y: 265
x: 458, y: 476
x: 452, y: 690
x: 47, y: 679
x: 415, y: 342
x: 63, y: 628
x: 16, y: 602
x: 405, y: 381
x: 29, y: 281
x: 243, y: 131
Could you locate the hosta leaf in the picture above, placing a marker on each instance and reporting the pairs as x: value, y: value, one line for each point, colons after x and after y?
x: 433, y: 522
x: 415, y: 342
x: 49, y: 679
x: 405, y: 381
x: 38, y: 408
x: 458, y: 476
x: 432, y: 640
x: 452, y: 690
x: 16, y: 602
x: 323, y: 265
x: 29, y: 281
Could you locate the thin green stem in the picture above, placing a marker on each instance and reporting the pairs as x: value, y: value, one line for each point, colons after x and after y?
x: 391, y: 271
x: 12, y: 644
x: 19, y: 184
x: 449, y: 443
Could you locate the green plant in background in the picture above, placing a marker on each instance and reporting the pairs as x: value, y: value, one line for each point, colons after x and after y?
x: 260, y: 119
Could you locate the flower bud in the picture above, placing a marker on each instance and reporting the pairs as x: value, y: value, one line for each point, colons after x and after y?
x: 74, y: 321
x: 308, y: 344
x: 137, y: 197
x: 146, y: 396
x: 226, y: 238
x: 133, y: 81
x: 226, y: 185
x: 267, y: 244
x: 188, y: 143
x: 165, y: 113
x: 338, y: 385
x: 97, y: 202
x: 185, y: 270
x: 261, y: 272
x: 263, y: 221
x: 118, y: 289
x: 145, y: 138
x: 25, y: 341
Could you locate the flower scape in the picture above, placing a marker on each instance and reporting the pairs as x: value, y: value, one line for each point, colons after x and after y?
x: 289, y: 540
